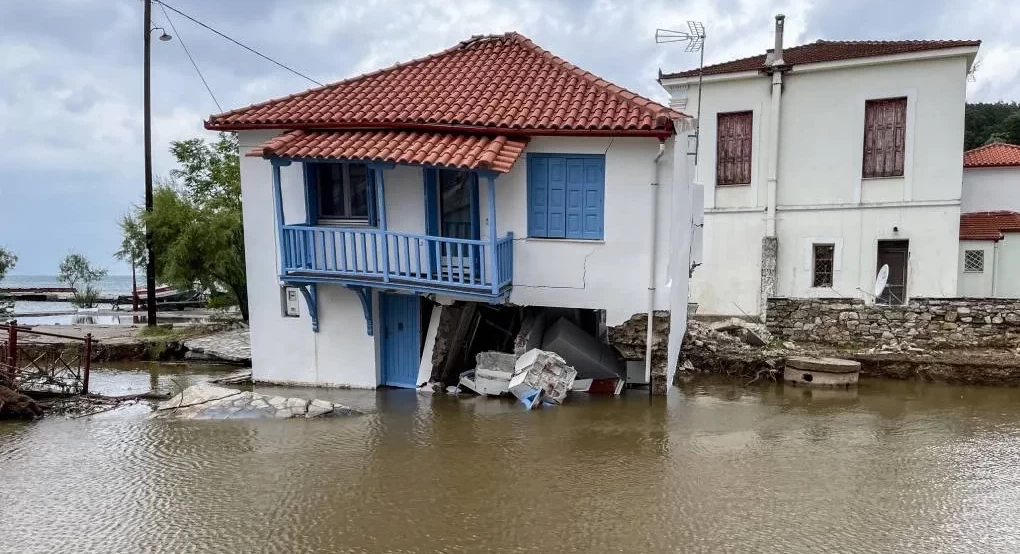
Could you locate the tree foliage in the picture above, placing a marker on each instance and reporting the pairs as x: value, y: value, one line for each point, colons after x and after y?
x: 7, y: 262
x: 991, y: 122
x: 196, y: 220
x: 80, y: 275
x: 132, y: 243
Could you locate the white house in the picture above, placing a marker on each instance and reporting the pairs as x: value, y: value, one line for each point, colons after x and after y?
x: 823, y: 162
x: 989, y: 260
x: 493, y: 172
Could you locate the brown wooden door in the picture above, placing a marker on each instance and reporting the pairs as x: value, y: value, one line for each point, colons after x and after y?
x: 893, y: 253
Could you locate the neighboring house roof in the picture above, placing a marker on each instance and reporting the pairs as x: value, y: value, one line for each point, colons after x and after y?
x: 502, y: 84
x: 997, y: 154
x: 829, y: 51
x: 402, y: 147
x: 988, y: 225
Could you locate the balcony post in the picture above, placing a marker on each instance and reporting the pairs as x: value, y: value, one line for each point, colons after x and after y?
x: 278, y: 203
x: 380, y: 198
x: 490, y: 178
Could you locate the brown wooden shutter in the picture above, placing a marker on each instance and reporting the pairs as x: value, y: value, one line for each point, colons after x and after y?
x: 733, y: 149
x: 885, y: 133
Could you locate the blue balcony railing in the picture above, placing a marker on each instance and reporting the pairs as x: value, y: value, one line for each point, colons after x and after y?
x: 388, y: 258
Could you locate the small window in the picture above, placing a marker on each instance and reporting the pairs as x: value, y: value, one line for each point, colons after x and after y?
x: 885, y: 131
x: 341, y: 191
x: 974, y: 261
x: 566, y: 194
x: 823, y: 264
x: 733, y: 149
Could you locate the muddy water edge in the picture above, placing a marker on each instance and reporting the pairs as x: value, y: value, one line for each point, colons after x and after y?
x: 896, y: 466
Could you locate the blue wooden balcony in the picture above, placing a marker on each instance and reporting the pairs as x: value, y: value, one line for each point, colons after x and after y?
x: 389, y: 259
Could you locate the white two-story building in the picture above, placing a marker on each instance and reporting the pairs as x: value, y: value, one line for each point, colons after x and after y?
x: 990, y: 223
x: 823, y: 162
x: 492, y: 172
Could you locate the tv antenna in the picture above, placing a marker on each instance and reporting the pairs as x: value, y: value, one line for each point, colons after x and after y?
x: 694, y: 36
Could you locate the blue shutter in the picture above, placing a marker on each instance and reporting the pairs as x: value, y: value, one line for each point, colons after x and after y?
x: 594, y: 193
x: 311, y: 194
x: 373, y: 206
x: 557, y: 183
x: 538, y: 197
x: 574, y: 192
x: 566, y: 196
x: 430, y: 177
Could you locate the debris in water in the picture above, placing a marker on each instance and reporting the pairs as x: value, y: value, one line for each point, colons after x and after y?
x: 541, y: 375
x: 491, y: 376
x: 205, y: 401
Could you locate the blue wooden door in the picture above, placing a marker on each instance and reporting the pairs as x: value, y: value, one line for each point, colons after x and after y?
x: 401, y: 336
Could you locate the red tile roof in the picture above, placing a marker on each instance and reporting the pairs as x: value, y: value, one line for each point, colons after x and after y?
x: 998, y: 154
x: 489, y: 83
x: 496, y: 153
x: 988, y: 225
x: 829, y: 51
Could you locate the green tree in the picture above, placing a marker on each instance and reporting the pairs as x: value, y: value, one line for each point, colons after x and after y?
x: 7, y: 262
x: 988, y: 122
x: 80, y: 275
x: 132, y: 247
x: 196, y: 220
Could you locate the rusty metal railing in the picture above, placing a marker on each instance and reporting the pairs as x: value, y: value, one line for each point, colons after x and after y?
x: 51, y: 365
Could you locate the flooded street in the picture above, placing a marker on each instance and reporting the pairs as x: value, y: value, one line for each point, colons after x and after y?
x: 715, y: 467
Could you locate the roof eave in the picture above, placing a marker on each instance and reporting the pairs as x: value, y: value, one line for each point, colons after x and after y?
x: 661, y: 133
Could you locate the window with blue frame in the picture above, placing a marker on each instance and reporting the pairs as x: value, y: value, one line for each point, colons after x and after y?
x: 340, y: 193
x: 566, y: 196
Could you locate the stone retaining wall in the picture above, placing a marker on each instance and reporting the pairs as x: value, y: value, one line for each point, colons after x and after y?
x: 951, y: 322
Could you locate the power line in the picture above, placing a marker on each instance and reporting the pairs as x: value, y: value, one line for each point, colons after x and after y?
x: 186, y: 51
x: 235, y: 41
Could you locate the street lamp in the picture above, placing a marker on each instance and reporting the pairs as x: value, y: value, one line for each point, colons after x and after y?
x: 150, y: 261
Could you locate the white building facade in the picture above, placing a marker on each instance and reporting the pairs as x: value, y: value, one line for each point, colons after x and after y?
x: 989, y: 256
x: 824, y: 162
x: 357, y: 226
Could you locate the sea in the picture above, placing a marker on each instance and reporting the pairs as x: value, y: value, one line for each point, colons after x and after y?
x: 111, y: 285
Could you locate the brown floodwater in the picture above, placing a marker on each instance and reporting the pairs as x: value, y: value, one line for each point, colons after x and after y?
x: 714, y: 467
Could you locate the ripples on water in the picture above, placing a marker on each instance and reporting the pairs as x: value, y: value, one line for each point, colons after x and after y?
x: 716, y: 467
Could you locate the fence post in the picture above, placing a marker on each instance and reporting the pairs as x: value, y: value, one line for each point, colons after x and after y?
x: 87, y: 362
x: 12, y: 346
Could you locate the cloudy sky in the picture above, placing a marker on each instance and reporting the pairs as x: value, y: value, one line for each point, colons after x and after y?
x: 71, y: 75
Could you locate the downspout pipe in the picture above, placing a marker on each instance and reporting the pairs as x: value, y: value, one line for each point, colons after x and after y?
x: 653, y: 224
x: 774, y: 114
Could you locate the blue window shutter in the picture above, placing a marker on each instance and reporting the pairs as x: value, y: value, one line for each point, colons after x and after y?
x: 573, y: 200
x: 557, y: 184
x: 373, y: 202
x: 594, y: 194
x: 311, y: 194
x: 538, y: 197
x: 430, y: 177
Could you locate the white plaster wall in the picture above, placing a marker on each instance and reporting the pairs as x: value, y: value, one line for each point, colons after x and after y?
x: 611, y: 274
x: 1007, y: 267
x: 977, y: 284
x: 727, y: 281
x: 284, y: 349
x: 988, y: 189
x: 932, y: 262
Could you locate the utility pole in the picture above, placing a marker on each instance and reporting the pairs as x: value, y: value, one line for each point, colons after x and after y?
x: 150, y: 259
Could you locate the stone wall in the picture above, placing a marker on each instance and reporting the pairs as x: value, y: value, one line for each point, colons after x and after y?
x: 925, y: 322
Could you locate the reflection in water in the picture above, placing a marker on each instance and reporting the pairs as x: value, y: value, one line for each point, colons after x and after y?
x: 892, y: 467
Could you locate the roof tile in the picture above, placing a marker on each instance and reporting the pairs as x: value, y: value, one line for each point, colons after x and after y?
x: 496, y: 153
x: 489, y: 82
x: 829, y: 51
x: 998, y: 154
x: 988, y: 225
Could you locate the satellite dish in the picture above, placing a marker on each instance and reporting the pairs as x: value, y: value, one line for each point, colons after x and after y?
x: 883, y: 278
